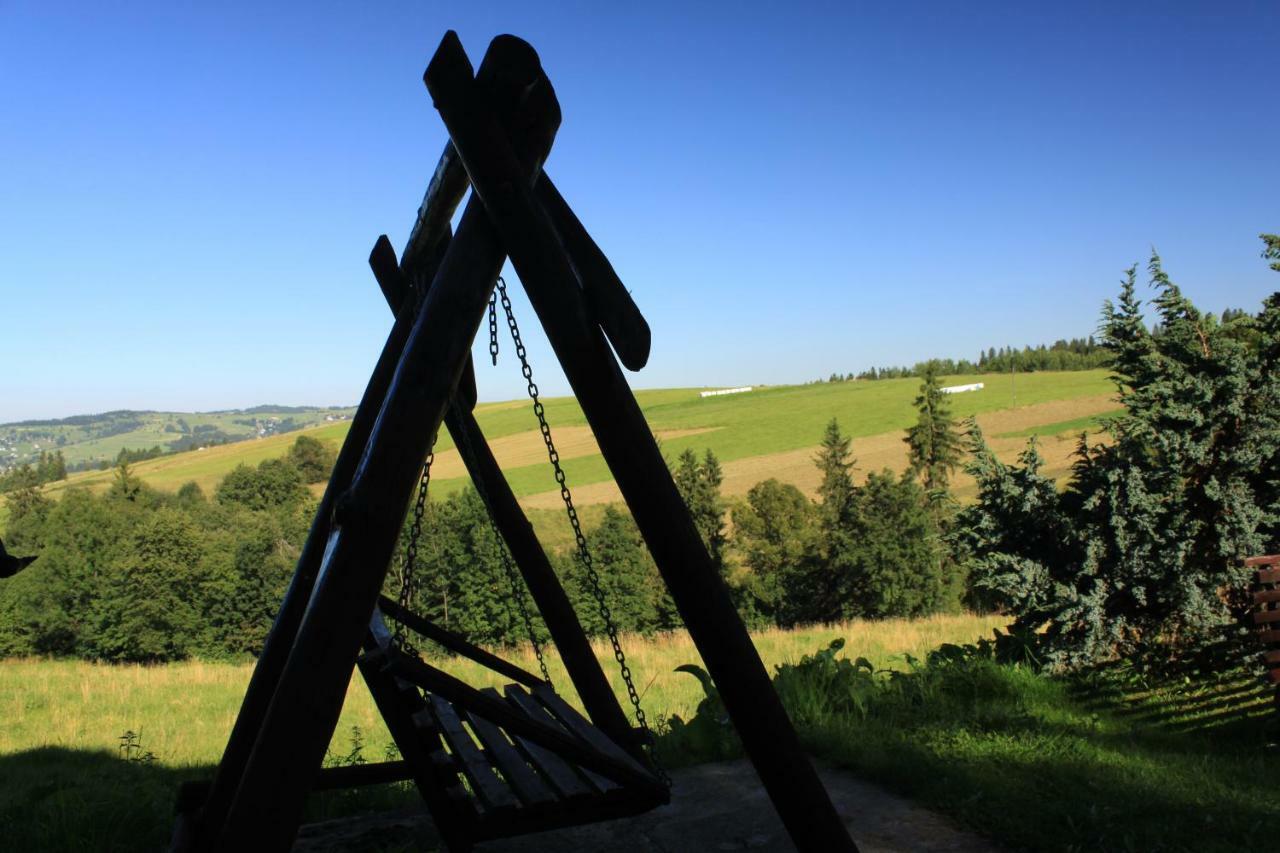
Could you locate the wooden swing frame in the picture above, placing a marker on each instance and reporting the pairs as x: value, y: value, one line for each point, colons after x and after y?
x: 553, y: 766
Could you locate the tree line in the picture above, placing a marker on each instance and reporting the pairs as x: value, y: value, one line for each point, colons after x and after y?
x: 50, y: 467
x: 1074, y: 354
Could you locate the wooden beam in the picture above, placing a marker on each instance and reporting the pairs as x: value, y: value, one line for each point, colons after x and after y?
x: 279, y: 641
x: 457, y: 643
x: 627, y: 444
x: 304, y: 710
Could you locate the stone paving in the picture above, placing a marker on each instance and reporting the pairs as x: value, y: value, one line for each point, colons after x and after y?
x: 715, y: 807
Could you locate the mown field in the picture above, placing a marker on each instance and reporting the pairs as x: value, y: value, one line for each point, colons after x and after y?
x: 768, y: 432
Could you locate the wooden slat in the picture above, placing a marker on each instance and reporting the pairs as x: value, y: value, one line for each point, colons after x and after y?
x: 522, y: 778
x: 1273, y: 676
x: 578, y: 724
x: 492, y: 791
x: 1271, y: 658
x: 562, y: 777
x: 1265, y: 560
x: 1265, y: 596
x: 544, y: 732
x: 441, y: 789
x: 1268, y: 576
x: 530, y: 706
x: 1266, y: 617
x: 1270, y: 637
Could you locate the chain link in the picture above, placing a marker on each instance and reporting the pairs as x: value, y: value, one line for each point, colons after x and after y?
x: 411, y: 550
x: 518, y: 590
x: 584, y: 553
x: 493, y: 327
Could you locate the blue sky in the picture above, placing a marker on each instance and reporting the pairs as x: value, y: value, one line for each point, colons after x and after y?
x: 188, y: 193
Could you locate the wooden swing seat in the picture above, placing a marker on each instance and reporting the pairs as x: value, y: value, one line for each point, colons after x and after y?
x: 500, y: 763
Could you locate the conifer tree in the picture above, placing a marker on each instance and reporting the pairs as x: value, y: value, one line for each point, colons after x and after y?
x: 835, y: 461
x: 934, y: 444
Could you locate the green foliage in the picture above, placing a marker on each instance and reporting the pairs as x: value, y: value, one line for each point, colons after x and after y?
x: 147, y: 608
x: 699, y: 485
x: 313, y: 458
x: 888, y: 562
x: 777, y: 533
x: 634, y: 592
x: 274, y: 484
x: 1144, y: 548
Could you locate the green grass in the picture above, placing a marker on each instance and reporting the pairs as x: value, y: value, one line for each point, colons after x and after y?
x: 1089, y: 423
x: 1103, y: 762
x: 65, y: 786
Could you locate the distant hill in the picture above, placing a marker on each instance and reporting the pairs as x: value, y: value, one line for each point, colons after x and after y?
x: 89, y: 440
x: 771, y: 431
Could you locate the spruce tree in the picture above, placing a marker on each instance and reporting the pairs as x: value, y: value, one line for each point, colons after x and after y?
x: 934, y: 444
x: 835, y: 461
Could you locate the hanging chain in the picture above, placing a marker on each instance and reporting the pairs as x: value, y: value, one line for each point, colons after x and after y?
x: 493, y: 327
x: 518, y: 591
x: 584, y: 554
x: 411, y: 550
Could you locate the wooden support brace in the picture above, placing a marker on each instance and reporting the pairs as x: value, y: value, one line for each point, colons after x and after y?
x: 457, y: 643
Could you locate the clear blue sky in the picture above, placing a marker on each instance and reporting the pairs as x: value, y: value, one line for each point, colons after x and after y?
x: 188, y: 192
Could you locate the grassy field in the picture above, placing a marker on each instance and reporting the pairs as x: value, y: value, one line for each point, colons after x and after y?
x: 1107, y: 761
x: 768, y: 432
x: 65, y: 784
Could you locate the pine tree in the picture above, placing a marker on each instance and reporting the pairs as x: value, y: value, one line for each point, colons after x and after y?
x: 934, y: 444
x: 835, y: 461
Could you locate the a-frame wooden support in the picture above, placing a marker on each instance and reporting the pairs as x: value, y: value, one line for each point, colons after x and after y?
x: 501, y: 122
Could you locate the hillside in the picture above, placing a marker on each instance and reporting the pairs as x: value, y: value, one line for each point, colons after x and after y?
x: 87, y: 440
x: 769, y: 432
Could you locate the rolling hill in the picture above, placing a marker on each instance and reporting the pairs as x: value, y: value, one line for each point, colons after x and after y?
x: 768, y: 432
x: 87, y: 440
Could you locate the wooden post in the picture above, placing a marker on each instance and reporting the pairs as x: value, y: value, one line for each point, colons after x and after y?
x: 501, y: 181
x: 275, y: 651
x: 304, y: 710
x: 566, y: 630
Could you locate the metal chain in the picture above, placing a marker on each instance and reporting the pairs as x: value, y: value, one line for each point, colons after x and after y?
x: 493, y: 327
x: 584, y: 554
x: 518, y: 590
x: 411, y: 550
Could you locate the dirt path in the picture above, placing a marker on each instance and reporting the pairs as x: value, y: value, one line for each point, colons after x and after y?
x: 715, y: 807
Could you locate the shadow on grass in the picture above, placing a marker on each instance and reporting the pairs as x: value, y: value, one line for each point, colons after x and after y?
x: 57, y: 799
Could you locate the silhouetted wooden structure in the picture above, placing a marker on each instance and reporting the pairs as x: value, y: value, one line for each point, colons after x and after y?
x: 1265, y: 595
x: 488, y: 763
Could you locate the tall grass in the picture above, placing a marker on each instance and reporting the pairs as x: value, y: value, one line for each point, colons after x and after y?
x: 184, y: 711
